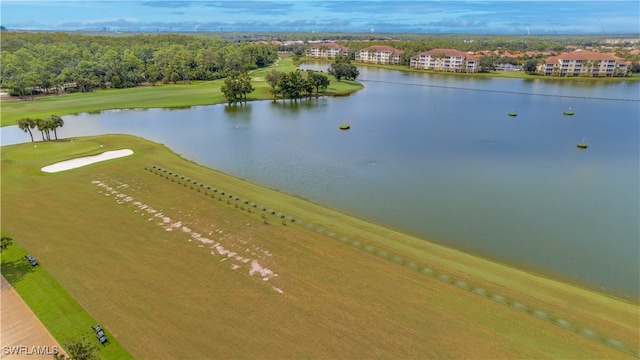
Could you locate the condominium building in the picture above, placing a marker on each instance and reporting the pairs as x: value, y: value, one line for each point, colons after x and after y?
x: 583, y: 63
x: 444, y: 60
x: 379, y: 54
x: 327, y: 51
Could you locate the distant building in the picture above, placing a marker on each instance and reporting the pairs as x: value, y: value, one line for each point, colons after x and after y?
x: 623, y: 41
x: 445, y: 60
x: 327, y: 51
x: 583, y: 63
x: 379, y: 54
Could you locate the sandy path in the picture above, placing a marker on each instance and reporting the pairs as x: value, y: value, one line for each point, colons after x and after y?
x: 22, y: 335
x: 76, y: 163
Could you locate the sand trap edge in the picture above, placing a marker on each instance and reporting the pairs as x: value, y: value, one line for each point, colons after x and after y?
x: 87, y: 160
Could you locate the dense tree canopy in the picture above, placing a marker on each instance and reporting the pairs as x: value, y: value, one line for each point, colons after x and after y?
x: 45, y: 126
x: 341, y: 70
x: 530, y: 66
x: 296, y: 84
x: 41, y: 62
x: 236, y: 87
x: 487, y: 63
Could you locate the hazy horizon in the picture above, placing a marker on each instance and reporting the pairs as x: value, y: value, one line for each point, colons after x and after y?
x: 564, y: 17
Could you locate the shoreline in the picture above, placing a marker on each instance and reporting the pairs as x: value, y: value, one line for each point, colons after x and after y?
x: 32, y: 108
x: 492, y: 74
x: 100, y: 155
x: 356, y: 243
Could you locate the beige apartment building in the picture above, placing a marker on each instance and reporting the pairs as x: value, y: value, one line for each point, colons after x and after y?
x: 583, y: 63
x: 327, y: 51
x: 379, y: 54
x: 444, y: 60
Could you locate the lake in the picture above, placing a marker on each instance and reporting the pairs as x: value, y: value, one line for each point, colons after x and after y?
x: 438, y: 157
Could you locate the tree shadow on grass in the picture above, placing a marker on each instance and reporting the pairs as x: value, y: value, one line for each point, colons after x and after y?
x: 14, y: 270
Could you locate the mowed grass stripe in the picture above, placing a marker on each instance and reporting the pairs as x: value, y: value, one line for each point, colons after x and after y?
x: 538, y: 313
x: 167, y: 297
x: 65, y: 319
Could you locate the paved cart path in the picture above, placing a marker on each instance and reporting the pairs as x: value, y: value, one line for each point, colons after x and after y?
x: 22, y: 335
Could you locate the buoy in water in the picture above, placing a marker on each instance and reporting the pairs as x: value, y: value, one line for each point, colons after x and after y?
x: 582, y: 145
x: 345, y: 127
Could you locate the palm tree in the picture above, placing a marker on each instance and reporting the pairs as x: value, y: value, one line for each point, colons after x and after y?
x: 26, y: 125
x: 322, y: 52
x: 371, y: 54
x: 44, y: 126
x: 56, y: 122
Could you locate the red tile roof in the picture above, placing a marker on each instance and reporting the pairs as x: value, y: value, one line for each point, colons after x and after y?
x: 585, y: 55
x: 552, y: 60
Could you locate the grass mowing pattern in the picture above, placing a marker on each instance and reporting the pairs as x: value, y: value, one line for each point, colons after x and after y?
x: 498, y: 298
x: 162, y: 294
x: 65, y: 319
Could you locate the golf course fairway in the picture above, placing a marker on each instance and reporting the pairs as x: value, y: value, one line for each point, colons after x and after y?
x: 176, y: 260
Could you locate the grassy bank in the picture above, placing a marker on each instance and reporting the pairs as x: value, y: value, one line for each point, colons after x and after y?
x: 159, y: 96
x: 175, y: 269
x: 65, y: 319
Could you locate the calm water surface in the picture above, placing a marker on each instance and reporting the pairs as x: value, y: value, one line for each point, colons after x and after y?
x: 438, y: 157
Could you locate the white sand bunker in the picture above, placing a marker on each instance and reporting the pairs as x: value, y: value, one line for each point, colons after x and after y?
x: 87, y: 160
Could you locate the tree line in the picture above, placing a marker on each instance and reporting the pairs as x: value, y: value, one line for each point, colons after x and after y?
x: 298, y: 84
x: 292, y: 85
x: 45, y: 126
x: 50, y: 62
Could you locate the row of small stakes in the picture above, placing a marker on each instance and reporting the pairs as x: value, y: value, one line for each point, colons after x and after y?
x: 460, y: 284
x: 216, y: 193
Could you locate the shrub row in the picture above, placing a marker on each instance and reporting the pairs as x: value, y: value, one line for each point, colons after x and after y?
x: 462, y: 285
x: 216, y: 193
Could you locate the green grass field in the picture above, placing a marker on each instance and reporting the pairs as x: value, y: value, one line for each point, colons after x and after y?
x: 58, y: 311
x: 173, y: 272
x: 159, y: 96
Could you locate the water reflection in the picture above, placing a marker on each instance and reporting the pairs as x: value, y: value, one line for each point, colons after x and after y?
x: 438, y: 162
